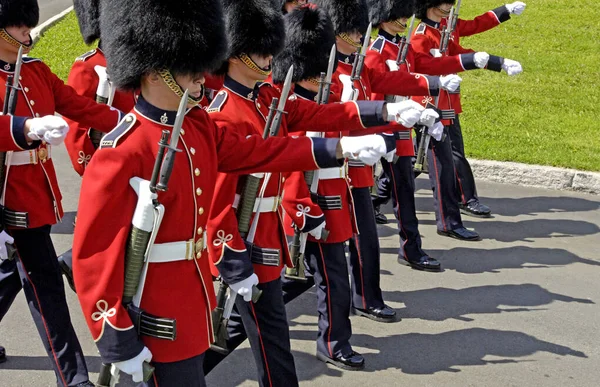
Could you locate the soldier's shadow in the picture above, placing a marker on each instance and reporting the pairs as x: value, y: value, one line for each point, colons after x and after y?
x: 440, y: 304
x: 66, y: 225
x: 539, y: 205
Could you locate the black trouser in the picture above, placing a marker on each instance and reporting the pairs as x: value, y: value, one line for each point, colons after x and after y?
x: 398, y: 181
x: 443, y: 184
x: 37, y: 272
x: 364, y: 254
x: 467, y: 192
x: 265, y: 324
x: 180, y: 373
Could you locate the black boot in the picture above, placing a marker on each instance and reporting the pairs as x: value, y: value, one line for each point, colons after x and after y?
x: 2, y: 354
x: 379, y: 217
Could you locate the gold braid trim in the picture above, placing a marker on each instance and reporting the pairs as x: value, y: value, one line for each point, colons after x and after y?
x: 167, y: 77
x: 253, y: 66
x: 313, y: 81
x: 14, y: 42
x: 344, y: 36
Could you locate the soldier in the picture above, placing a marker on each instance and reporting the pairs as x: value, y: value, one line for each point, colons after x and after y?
x: 146, y: 49
x: 32, y: 199
x: 245, y: 102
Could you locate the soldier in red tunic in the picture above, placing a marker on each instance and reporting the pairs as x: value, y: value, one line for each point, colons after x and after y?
x: 31, y: 198
x: 162, y: 50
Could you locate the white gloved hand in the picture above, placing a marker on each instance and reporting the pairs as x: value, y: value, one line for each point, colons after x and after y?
x: 481, y: 59
x: 4, y: 239
x: 406, y: 113
x: 244, y: 287
x: 436, y: 131
x: 51, y: 129
x: 512, y: 67
x: 367, y: 149
x: 516, y: 8
x: 428, y: 117
x: 389, y: 157
x: 450, y: 82
x: 317, y: 232
x: 134, y: 367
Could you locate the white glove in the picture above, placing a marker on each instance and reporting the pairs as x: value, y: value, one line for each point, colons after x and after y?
x: 4, y: 239
x: 450, y: 82
x: 406, y: 113
x: 512, y: 67
x: 133, y: 366
x: 428, y: 117
x: 244, y: 287
x: 367, y: 149
x: 481, y: 59
x: 389, y: 157
x: 516, y: 8
x: 317, y: 232
x: 436, y: 131
x: 51, y: 129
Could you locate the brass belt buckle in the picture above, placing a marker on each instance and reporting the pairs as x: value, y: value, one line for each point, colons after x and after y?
x: 43, y: 154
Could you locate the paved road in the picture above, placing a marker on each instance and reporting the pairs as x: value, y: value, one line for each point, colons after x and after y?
x: 517, y: 309
x: 49, y: 8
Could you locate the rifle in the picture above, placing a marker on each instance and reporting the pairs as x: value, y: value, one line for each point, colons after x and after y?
x: 421, y: 162
x: 103, y: 96
x: 145, y: 225
x: 222, y: 312
x: 298, y: 245
x: 350, y: 93
x: 10, y: 105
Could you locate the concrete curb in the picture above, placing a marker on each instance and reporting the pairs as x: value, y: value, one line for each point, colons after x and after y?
x: 38, y: 31
x: 537, y: 176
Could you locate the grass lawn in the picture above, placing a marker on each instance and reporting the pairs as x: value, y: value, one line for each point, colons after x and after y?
x: 547, y: 115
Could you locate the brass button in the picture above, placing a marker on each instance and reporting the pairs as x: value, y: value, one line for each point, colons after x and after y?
x: 198, y: 254
x: 193, y: 151
x: 368, y: 98
x: 37, y: 114
x: 200, y: 230
x: 283, y: 179
x: 27, y: 89
x: 32, y: 102
x: 258, y: 104
x: 182, y: 131
x: 198, y: 191
x: 200, y: 211
x: 197, y: 172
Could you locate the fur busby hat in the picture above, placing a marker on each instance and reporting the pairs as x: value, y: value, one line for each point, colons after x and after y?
x: 88, y: 16
x: 381, y: 11
x: 346, y: 15
x: 254, y: 27
x: 424, y: 5
x: 19, y: 13
x: 139, y: 36
x: 309, y: 36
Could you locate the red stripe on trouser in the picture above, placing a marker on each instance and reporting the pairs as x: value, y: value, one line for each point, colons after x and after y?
x: 262, y: 346
x: 43, y: 321
x: 398, y: 204
x: 155, y: 380
x: 362, y: 282
x: 462, y: 192
x: 439, y: 191
x: 328, y: 300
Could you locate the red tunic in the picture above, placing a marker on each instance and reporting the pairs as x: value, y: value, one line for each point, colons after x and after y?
x: 33, y: 187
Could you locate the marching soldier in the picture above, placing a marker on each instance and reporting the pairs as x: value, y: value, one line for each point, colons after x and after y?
x: 32, y: 199
x: 170, y: 323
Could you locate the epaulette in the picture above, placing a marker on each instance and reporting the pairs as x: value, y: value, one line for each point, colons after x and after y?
x: 218, y: 102
x: 265, y: 84
x: 84, y: 57
x: 421, y: 29
x: 28, y: 59
x: 378, y: 44
x: 111, y: 139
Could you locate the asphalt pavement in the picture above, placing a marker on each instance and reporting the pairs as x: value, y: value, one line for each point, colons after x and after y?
x: 519, y: 308
x: 49, y: 8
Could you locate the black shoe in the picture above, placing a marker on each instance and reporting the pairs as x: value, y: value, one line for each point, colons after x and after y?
x: 425, y: 263
x: 65, y: 263
x: 379, y: 217
x: 462, y: 234
x: 351, y: 362
x: 475, y: 209
x: 385, y: 314
x: 85, y: 384
x: 2, y: 354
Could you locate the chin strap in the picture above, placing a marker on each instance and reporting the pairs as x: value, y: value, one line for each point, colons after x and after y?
x: 14, y: 42
x: 399, y: 23
x: 346, y: 38
x: 170, y: 81
x: 252, y: 65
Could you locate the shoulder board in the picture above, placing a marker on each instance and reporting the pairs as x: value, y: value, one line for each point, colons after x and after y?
x: 110, y: 140
x: 218, y: 102
x: 421, y: 29
x: 84, y: 57
x: 28, y: 59
x: 265, y: 84
x: 378, y: 44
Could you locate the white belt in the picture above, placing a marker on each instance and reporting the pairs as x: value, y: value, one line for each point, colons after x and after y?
x: 176, y: 251
x: 269, y: 204
x: 32, y: 156
x: 332, y: 173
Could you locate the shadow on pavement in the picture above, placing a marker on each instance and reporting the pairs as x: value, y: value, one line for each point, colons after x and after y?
x: 539, y: 205
x: 439, y: 304
x: 66, y: 226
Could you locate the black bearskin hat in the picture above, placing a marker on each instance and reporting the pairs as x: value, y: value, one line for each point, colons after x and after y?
x: 381, y: 11
x: 254, y: 27
x: 16, y: 13
x: 424, y: 5
x: 347, y: 15
x: 88, y: 16
x: 309, y: 36
x: 139, y: 36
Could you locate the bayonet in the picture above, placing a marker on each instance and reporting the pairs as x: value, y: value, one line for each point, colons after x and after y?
x: 167, y: 167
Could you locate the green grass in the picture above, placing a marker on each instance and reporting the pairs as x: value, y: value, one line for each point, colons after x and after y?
x: 547, y: 115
